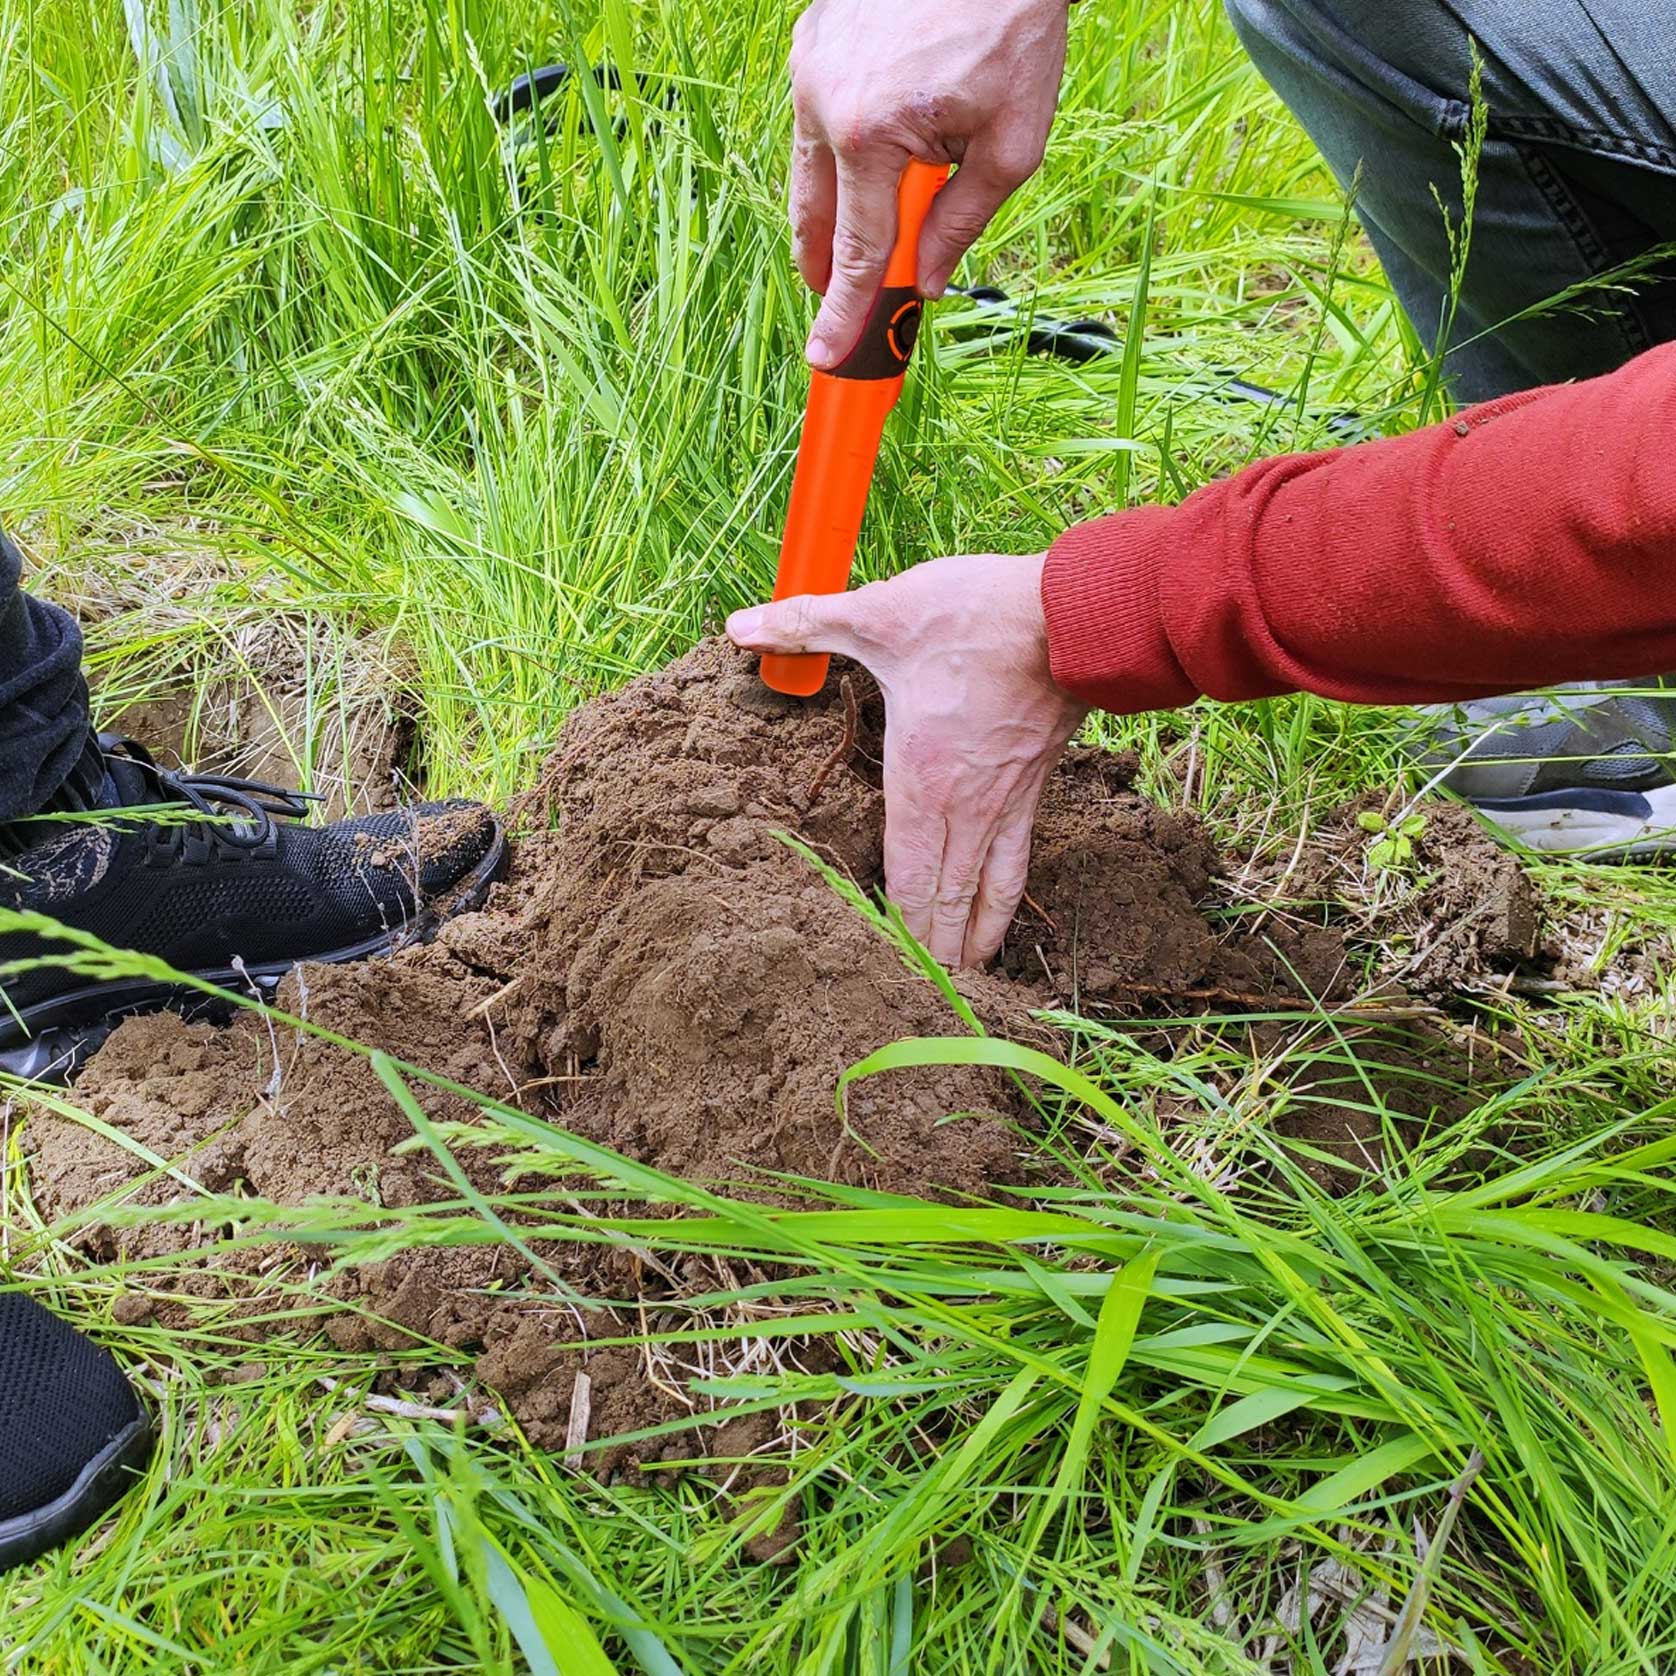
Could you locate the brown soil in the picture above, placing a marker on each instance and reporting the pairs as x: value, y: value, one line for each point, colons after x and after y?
x: 1466, y: 916
x: 1117, y: 907
x: 660, y: 973
x: 1479, y: 911
x: 1409, y: 1076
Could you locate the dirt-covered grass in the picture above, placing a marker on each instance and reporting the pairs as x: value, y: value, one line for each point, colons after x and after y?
x: 369, y: 441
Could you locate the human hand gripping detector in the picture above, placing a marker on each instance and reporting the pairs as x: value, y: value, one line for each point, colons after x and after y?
x: 842, y: 426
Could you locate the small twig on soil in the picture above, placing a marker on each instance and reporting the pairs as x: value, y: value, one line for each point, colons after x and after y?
x: 347, y: 1423
x: 1543, y: 986
x: 576, y: 1427
x: 1040, y: 912
x: 550, y: 1082
x: 1373, y: 1013
x: 494, y: 1046
x: 493, y: 1000
x: 1078, y: 1637
x: 489, y: 1418
x: 1483, y: 1039
x: 843, y: 749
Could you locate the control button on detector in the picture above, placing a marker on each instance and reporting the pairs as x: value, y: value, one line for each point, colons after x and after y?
x: 903, y: 329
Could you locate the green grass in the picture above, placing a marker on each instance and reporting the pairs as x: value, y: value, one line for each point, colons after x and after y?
x: 295, y: 347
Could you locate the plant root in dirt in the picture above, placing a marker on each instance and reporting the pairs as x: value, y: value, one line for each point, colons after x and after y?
x: 662, y: 974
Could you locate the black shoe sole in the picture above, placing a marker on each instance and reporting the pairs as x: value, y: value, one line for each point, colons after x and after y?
x: 102, y: 1483
x: 50, y: 1041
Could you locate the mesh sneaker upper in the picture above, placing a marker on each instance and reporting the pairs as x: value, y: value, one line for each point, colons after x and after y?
x: 331, y: 886
x: 204, y: 894
x: 1611, y: 736
x: 62, y: 1400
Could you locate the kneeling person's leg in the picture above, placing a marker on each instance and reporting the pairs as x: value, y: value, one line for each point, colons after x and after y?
x: 1576, y: 179
x: 43, y: 696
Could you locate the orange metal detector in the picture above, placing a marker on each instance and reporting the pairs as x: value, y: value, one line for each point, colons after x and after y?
x: 842, y: 426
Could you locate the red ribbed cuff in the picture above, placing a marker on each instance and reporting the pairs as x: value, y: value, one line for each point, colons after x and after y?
x: 1105, y: 628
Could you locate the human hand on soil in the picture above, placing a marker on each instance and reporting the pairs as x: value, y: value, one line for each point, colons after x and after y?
x: 971, y: 82
x: 973, y: 727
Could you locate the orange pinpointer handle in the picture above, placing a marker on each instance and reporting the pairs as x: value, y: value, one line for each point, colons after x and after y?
x: 842, y: 426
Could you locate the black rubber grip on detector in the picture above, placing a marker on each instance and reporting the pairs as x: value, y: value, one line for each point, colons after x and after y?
x: 887, y: 340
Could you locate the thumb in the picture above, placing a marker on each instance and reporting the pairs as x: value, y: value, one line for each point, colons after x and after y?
x: 961, y: 211
x: 807, y: 623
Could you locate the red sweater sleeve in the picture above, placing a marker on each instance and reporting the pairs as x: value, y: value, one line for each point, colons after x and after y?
x: 1523, y: 543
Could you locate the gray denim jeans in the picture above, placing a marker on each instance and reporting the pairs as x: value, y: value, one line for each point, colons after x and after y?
x: 1577, y: 176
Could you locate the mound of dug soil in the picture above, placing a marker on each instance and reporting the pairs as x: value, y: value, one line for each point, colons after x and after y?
x: 662, y: 974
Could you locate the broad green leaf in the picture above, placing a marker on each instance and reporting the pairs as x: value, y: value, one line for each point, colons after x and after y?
x: 1113, y: 1335
x: 1342, y: 1489
x: 1261, y: 1408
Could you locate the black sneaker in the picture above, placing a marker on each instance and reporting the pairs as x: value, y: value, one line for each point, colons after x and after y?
x: 72, y: 1432
x: 1586, y: 771
x: 197, y: 870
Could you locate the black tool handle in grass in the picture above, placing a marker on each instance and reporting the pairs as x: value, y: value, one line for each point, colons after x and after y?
x: 1082, y: 341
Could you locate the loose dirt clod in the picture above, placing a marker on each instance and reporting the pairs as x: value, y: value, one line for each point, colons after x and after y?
x: 1480, y: 909
x: 662, y: 974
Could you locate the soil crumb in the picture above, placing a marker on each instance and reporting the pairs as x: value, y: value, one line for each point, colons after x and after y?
x: 662, y: 974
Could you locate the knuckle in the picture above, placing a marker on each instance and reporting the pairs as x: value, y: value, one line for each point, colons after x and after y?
x: 913, y: 900
x: 855, y: 136
x: 912, y: 878
x: 955, y: 898
x: 963, y: 226
x: 805, y: 95
x: 855, y: 250
x: 1006, y: 881
x: 1017, y: 159
x: 800, y: 617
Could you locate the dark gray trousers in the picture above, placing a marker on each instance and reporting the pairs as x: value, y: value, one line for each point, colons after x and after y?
x: 43, y: 698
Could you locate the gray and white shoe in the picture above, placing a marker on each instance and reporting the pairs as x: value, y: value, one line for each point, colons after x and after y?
x: 1587, y: 770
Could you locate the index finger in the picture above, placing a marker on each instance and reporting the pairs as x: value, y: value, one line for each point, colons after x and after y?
x: 915, y: 836
x: 864, y: 230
